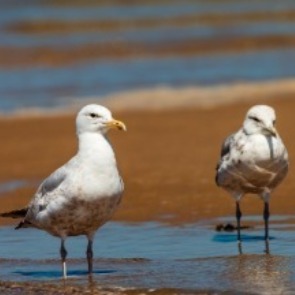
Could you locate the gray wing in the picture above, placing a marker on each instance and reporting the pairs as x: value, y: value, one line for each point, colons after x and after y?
x: 225, y: 150
x: 42, y: 196
x: 40, y: 200
x: 281, y: 174
x: 53, y: 181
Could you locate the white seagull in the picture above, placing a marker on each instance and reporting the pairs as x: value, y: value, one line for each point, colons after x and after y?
x: 82, y: 195
x: 253, y: 160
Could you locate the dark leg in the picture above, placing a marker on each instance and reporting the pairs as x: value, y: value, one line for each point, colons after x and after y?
x: 238, y: 216
x: 63, y: 254
x: 266, y: 218
x: 89, y: 254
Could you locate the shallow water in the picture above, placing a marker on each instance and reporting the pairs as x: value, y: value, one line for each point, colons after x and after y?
x: 149, y: 35
x: 58, y: 87
x: 36, y: 10
x: 44, y: 86
x: 156, y: 256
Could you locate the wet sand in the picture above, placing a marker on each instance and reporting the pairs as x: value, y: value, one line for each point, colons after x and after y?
x: 118, y: 48
x: 213, y: 19
x: 163, y: 240
x: 11, y: 57
x: 152, y: 258
x: 167, y: 159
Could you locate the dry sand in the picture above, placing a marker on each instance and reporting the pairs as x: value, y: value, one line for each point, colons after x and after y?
x: 167, y: 159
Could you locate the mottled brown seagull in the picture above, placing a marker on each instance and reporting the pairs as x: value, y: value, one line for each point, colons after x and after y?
x: 82, y: 195
x: 253, y: 160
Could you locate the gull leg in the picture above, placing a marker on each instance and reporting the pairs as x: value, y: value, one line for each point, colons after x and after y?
x: 89, y: 255
x: 63, y: 254
x: 238, y: 216
x: 266, y: 219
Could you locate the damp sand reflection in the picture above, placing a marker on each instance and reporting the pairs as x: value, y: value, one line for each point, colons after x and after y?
x: 155, y: 256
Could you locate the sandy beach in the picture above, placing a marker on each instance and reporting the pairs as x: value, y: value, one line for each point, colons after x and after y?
x: 167, y: 159
x: 181, y: 75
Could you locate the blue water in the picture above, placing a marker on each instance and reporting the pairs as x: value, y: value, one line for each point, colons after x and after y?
x: 36, y: 10
x: 47, y: 87
x: 51, y: 87
x: 148, y: 35
x: 11, y: 185
x: 154, y: 255
x: 151, y: 241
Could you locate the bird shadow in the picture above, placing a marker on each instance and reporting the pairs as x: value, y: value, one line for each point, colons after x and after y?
x: 229, y: 238
x: 58, y: 274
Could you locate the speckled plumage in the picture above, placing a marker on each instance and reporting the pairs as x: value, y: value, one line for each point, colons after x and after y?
x: 252, y: 163
x: 254, y: 159
x: 82, y: 195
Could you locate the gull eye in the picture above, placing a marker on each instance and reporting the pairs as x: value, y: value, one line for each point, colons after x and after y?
x: 93, y: 115
x: 255, y: 119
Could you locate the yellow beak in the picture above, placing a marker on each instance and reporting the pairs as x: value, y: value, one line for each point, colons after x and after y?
x: 271, y: 131
x: 117, y: 124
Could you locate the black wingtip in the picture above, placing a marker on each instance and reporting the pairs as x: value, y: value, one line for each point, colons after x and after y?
x: 20, y: 213
x: 23, y: 224
x: 20, y: 225
x: 216, y: 179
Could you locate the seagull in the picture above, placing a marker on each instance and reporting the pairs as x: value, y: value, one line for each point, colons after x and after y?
x: 253, y: 160
x: 81, y: 195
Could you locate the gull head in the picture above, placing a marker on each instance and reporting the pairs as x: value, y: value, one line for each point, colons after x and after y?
x: 97, y: 119
x: 260, y: 119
